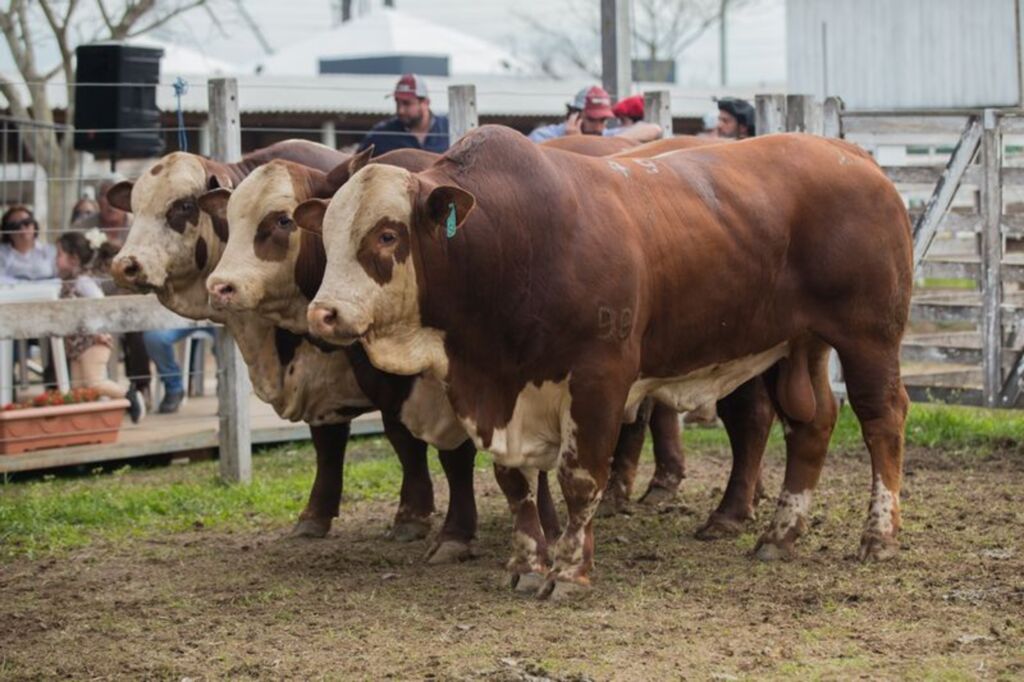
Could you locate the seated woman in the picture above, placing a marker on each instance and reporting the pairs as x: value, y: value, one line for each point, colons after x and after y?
x: 88, y: 354
x: 23, y: 256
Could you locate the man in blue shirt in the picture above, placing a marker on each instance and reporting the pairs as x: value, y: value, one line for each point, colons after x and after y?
x: 413, y: 124
x: 588, y: 114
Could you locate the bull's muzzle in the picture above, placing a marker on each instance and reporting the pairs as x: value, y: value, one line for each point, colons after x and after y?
x: 327, y: 322
x: 128, y: 272
x: 223, y: 294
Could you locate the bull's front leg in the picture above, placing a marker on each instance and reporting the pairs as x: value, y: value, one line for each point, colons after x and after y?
x: 416, y: 501
x: 456, y: 538
x: 329, y: 441
x: 589, y: 432
x: 529, y: 564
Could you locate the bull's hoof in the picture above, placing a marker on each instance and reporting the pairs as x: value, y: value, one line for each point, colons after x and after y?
x: 657, y: 496
x: 772, y: 549
x: 527, y: 583
x: 877, y: 547
x: 311, y: 528
x: 718, y: 527
x: 562, y: 590
x: 611, y: 505
x: 409, y: 530
x: 449, y: 552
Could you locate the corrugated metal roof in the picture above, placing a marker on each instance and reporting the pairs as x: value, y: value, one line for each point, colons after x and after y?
x: 356, y: 94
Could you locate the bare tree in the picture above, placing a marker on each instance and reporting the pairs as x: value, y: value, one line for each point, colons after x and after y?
x: 28, y: 24
x: 662, y: 29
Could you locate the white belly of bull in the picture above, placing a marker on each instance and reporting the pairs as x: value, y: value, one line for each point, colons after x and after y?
x: 533, y: 437
x: 704, y: 385
x: 429, y: 416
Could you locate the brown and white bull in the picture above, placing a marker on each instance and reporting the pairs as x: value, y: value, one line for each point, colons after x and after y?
x: 550, y: 308
x: 171, y: 249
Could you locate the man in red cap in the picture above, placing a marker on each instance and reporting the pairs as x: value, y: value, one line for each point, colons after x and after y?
x: 413, y: 124
x: 588, y: 114
x: 629, y: 110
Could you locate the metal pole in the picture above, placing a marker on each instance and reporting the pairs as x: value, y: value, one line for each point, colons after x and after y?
x: 723, y: 53
x: 616, y: 53
x: 233, y: 388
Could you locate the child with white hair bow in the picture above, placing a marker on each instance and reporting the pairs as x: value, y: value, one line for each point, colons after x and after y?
x: 78, y: 254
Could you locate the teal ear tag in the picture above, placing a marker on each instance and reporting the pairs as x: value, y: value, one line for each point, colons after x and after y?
x: 450, y: 223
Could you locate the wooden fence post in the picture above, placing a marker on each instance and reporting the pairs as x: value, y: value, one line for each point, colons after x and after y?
x: 327, y: 134
x: 233, y: 387
x: 832, y: 117
x: 991, y: 257
x: 658, y: 109
x: 462, y: 116
x: 616, y: 55
x: 803, y: 115
x: 770, y: 112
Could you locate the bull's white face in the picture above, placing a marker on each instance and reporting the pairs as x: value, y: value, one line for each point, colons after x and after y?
x: 257, y: 271
x: 369, y: 291
x: 171, y: 244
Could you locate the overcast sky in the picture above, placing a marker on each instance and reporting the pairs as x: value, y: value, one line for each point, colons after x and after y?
x: 756, y: 32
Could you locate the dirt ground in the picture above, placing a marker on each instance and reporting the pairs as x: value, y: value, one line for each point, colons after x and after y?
x: 215, y: 605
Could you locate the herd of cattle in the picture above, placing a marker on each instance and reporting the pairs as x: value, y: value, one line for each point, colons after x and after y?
x: 546, y: 303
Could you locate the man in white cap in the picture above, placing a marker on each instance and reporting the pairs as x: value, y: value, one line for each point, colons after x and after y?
x: 588, y: 114
x: 413, y: 124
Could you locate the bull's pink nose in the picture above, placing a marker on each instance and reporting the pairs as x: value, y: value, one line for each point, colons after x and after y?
x: 322, y: 319
x: 222, y: 293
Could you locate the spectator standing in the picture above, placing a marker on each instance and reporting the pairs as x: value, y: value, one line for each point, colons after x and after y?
x: 735, y: 118
x: 588, y: 114
x: 414, y: 125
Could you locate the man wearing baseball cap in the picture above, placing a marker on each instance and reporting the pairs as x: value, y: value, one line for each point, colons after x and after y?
x: 588, y: 114
x: 413, y: 124
x: 735, y: 118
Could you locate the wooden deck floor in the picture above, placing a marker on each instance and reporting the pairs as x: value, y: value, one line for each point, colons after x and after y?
x: 193, y: 428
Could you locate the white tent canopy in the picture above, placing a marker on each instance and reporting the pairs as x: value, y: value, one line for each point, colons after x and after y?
x: 178, y: 60
x: 387, y: 32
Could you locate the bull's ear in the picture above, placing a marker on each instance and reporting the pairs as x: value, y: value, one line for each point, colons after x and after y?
x: 216, y: 175
x: 447, y: 208
x: 120, y: 196
x: 309, y: 215
x: 215, y: 202
x: 343, y: 171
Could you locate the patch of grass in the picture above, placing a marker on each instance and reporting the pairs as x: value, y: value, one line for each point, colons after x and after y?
x: 947, y: 283
x: 55, y: 514
x: 945, y: 427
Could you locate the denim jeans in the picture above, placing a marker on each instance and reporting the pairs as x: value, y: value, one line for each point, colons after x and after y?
x: 160, y: 346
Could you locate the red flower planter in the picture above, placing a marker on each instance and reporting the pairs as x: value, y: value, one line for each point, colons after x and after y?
x: 39, y: 428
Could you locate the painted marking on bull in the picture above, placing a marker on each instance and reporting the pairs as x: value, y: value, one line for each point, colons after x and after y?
x: 619, y: 168
x: 614, y: 324
x: 648, y: 165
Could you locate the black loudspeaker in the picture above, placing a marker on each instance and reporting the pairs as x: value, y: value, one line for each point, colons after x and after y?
x: 115, y: 100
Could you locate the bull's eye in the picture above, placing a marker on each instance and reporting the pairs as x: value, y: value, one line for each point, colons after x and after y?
x: 284, y: 221
x: 387, y: 238
x: 186, y: 205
